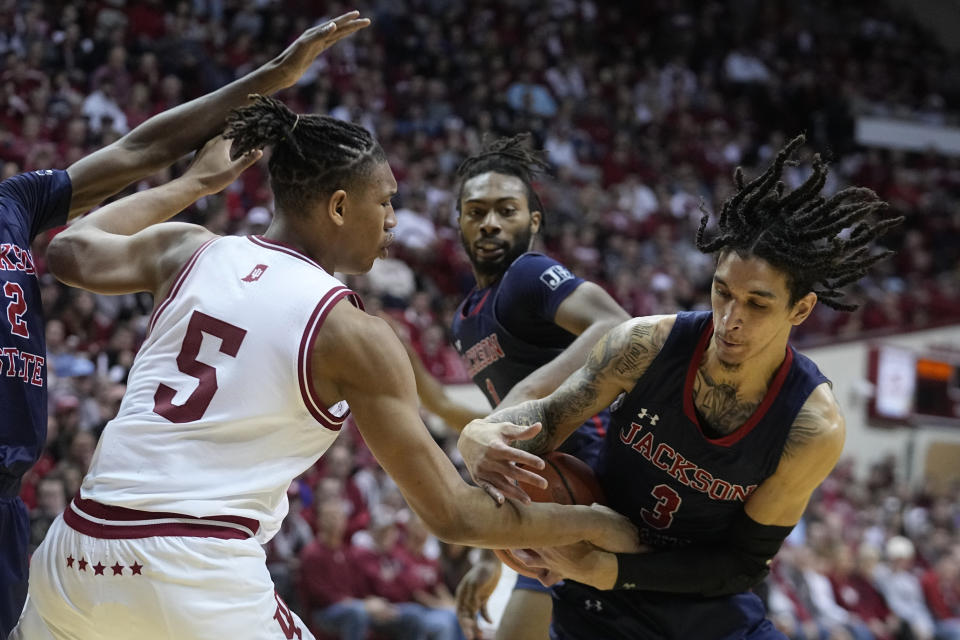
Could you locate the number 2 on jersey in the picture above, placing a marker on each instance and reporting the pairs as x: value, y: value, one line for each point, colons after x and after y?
x: 195, y: 406
x: 668, y: 501
x: 15, y: 309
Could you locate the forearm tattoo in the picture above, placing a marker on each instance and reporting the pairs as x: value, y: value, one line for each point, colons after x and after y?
x: 624, y: 353
x: 527, y: 413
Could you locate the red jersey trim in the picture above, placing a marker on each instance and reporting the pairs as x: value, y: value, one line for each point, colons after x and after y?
x: 598, y: 424
x: 757, y: 415
x: 476, y: 309
x: 283, y: 247
x: 108, y: 522
x: 181, y: 277
x: 305, y: 363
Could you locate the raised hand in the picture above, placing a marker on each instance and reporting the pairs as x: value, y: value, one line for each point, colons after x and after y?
x: 212, y: 167
x: 495, y: 465
x: 296, y: 58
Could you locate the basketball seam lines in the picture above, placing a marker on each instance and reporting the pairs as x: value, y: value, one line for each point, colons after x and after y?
x: 563, y: 479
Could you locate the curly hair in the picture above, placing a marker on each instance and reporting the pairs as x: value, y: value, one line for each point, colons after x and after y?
x: 509, y: 156
x: 801, y: 233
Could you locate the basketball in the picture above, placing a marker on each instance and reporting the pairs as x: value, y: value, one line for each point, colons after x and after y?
x: 569, y: 481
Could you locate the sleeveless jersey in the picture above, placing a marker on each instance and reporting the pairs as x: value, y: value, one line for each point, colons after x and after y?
x: 658, y: 468
x: 506, y: 331
x: 220, y: 414
x: 29, y: 204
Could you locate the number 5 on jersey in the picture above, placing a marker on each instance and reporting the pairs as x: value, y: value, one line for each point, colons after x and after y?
x: 193, y: 409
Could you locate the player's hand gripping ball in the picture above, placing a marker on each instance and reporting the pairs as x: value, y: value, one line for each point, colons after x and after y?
x: 569, y: 481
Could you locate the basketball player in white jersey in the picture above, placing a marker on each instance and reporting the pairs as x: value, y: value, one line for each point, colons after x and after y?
x: 252, y: 357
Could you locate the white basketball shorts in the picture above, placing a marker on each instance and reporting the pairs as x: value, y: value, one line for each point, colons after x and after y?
x: 107, y: 573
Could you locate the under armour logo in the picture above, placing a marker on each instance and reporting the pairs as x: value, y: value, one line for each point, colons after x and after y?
x: 593, y: 605
x: 629, y: 585
x: 255, y: 274
x: 653, y: 419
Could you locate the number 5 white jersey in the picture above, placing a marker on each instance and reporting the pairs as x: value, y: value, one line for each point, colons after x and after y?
x: 220, y: 413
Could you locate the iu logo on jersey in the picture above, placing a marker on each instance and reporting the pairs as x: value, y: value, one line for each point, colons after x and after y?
x: 254, y: 275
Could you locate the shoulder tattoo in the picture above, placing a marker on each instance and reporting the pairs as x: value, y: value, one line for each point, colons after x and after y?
x: 805, y: 428
x: 629, y: 351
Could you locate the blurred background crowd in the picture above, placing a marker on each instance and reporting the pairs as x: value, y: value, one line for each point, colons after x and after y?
x: 643, y: 109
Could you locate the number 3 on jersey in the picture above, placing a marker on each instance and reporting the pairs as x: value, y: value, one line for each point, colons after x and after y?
x: 195, y: 406
x: 668, y: 501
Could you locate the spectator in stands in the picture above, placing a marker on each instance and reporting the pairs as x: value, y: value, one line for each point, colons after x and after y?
x: 854, y: 590
x: 425, y: 581
x: 336, y: 591
x: 902, y: 589
x: 941, y: 588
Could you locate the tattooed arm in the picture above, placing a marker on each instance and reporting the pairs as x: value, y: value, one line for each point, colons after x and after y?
x: 812, y: 449
x: 739, y: 559
x: 615, y: 364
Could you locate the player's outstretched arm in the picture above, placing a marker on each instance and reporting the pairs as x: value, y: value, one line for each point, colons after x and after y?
x: 739, y: 560
x: 589, y: 313
x: 434, y: 397
x: 615, y: 363
x: 358, y: 358
x: 120, y: 248
x: 158, y: 142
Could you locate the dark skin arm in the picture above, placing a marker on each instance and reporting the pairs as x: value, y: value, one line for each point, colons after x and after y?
x: 354, y: 349
x: 121, y: 248
x: 161, y: 140
x: 434, y: 398
x: 588, y: 313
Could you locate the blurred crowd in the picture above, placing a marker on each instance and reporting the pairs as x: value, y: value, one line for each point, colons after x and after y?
x: 643, y: 109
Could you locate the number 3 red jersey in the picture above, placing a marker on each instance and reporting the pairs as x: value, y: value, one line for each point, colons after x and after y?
x: 220, y: 413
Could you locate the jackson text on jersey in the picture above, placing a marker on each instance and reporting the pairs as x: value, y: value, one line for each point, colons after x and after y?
x: 678, y: 467
x: 483, y: 354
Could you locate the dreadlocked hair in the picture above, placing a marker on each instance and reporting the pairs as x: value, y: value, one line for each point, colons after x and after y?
x: 509, y: 156
x: 799, y: 232
x: 313, y: 155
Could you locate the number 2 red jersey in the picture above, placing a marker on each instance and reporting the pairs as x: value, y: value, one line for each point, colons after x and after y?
x: 220, y: 413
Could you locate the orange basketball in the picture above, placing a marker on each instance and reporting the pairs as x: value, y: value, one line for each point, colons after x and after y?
x: 569, y: 481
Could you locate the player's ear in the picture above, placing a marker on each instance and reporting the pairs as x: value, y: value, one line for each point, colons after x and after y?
x: 336, y: 207
x: 802, y: 308
x: 535, y: 219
